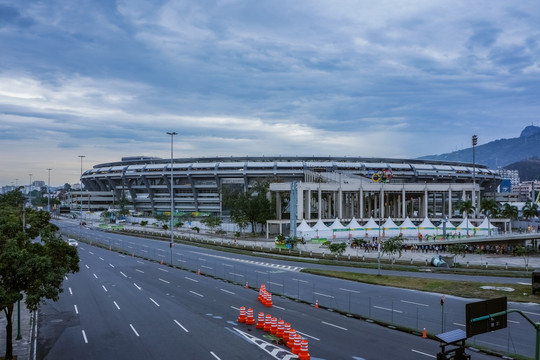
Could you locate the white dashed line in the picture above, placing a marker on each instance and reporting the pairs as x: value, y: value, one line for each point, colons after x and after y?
x: 137, y: 286
x: 76, y: 309
x: 336, y: 326
x: 227, y: 291
x: 154, y: 301
x: 165, y: 281
x: 115, y: 304
x: 423, y: 353
x: 413, y: 303
x: 183, y: 328
x: 104, y: 288
x: 84, y: 337
x: 190, y: 279
x: 195, y: 293
x: 135, y: 331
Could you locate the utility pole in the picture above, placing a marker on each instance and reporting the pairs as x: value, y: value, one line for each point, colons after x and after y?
x: 172, y: 133
x: 474, y: 142
x: 49, y: 192
x: 80, y: 201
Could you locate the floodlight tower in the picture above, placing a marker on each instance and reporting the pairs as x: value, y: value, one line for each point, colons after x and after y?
x: 172, y: 133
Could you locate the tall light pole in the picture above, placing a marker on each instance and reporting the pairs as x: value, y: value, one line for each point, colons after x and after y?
x: 172, y: 133
x: 80, y: 200
x: 30, y: 191
x: 474, y: 141
x: 49, y: 192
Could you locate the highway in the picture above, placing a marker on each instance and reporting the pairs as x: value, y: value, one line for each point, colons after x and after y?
x: 413, y: 309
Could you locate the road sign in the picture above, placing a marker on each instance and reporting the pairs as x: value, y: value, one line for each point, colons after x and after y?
x: 492, y: 313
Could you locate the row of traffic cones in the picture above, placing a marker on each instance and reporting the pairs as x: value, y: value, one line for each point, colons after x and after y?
x: 264, y: 296
x: 279, y: 328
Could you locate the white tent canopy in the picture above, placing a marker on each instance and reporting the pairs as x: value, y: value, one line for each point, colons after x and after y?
x: 427, y: 228
x: 371, y: 228
x: 486, y: 228
x: 321, y: 230
x: 389, y: 228
x: 304, y: 230
x: 408, y: 229
x: 337, y: 225
x: 466, y: 228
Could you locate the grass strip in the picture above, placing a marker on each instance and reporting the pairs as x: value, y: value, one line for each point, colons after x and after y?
x: 466, y: 289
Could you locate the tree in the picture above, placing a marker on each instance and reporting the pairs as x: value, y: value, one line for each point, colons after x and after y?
x: 466, y: 207
x: 29, y: 269
x: 530, y: 210
x: 338, y: 248
x: 393, y: 246
x: 509, y: 211
x: 489, y: 207
x: 458, y: 249
x: 250, y: 207
x: 212, y: 222
x: 525, y: 252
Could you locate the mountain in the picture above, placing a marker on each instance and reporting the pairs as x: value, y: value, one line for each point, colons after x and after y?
x: 499, y: 153
x: 528, y: 169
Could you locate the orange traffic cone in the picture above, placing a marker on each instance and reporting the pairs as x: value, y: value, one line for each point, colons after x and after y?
x: 304, y: 354
x: 260, y: 321
x: 286, y: 331
x: 292, y: 336
x: 267, y: 322
x: 161, y: 261
x: 268, y: 298
x: 273, y: 328
x: 247, y: 286
x: 198, y: 271
x: 280, y: 328
x: 250, y: 320
x: 424, y: 334
x: 297, y: 344
x: 242, y: 317
x: 316, y: 304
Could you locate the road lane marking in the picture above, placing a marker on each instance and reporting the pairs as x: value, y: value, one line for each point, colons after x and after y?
x: 530, y: 313
x: 235, y: 308
x: 95, y: 276
x: 206, y: 267
x: 124, y: 275
x: 195, y: 293
x: 214, y: 355
x: 235, y: 274
x: 302, y: 281
x: 104, y: 288
x: 111, y: 265
x: 88, y: 267
x: 190, y: 279
x: 513, y: 321
x: 115, y: 304
x: 458, y: 324
x: 137, y: 286
x: 154, y: 301
x: 524, y: 283
x: 84, y: 337
x: 70, y: 292
x: 164, y: 270
x: 142, y: 272
x: 279, y: 307
x: 413, y: 303
x: 423, y: 353
x: 261, y: 272
x: 91, y: 252
x: 102, y: 259
x: 309, y: 336
x: 330, y: 296
x: 76, y: 309
x: 227, y: 291
x: 165, y: 281
x: 349, y: 290
x: 383, y: 308
x: 336, y: 326
x: 140, y: 262
x: 183, y: 328
x: 135, y: 331
x: 273, y: 283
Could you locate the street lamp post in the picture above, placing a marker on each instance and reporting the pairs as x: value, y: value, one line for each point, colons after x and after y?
x: 80, y: 200
x: 49, y: 192
x: 30, y: 191
x: 172, y: 133
x: 474, y: 142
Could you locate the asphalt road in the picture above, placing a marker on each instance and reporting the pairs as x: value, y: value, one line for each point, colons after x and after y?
x: 413, y: 309
x: 121, y: 307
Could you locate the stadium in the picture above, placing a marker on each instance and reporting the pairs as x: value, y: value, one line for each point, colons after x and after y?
x: 325, y: 187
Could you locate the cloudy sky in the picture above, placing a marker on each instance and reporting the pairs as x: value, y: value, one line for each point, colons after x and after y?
x: 107, y: 79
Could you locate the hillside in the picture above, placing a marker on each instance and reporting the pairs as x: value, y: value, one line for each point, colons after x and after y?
x: 528, y: 169
x: 501, y: 152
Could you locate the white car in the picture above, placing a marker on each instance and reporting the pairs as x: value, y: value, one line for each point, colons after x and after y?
x: 73, y: 242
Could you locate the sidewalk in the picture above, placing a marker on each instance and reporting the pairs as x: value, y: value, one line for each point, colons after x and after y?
x: 21, y: 348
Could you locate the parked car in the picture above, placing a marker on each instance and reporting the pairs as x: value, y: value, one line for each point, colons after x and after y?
x: 73, y: 242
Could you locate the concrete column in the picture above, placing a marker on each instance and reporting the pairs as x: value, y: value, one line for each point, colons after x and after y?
x: 425, y: 202
x: 449, y: 202
x: 300, y: 203
x: 361, y: 201
x: 329, y: 204
x: 403, y: 203
x: 278, y: 205
x: 320, y: 203
x: 308, y: 205
x: 340, y: 203
x: 381, y: 204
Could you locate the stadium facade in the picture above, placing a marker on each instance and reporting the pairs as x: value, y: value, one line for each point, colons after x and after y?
x: 326, y: 187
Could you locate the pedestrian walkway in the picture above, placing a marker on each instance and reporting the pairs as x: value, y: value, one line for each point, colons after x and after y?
x: 21, y: 348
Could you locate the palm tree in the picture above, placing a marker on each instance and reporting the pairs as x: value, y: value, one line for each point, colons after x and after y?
x: 466, y: 207
x: 490, y: 208
x: 530, y: 210
x: 509, y: 211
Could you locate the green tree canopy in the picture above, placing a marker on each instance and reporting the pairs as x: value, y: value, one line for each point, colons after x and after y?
x: 29, y: 269
x: 490, y: 208
x: 509, y: 211
x: 466, y: 207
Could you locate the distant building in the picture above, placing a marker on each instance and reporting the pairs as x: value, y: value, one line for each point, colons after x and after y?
x: 511, y: 175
